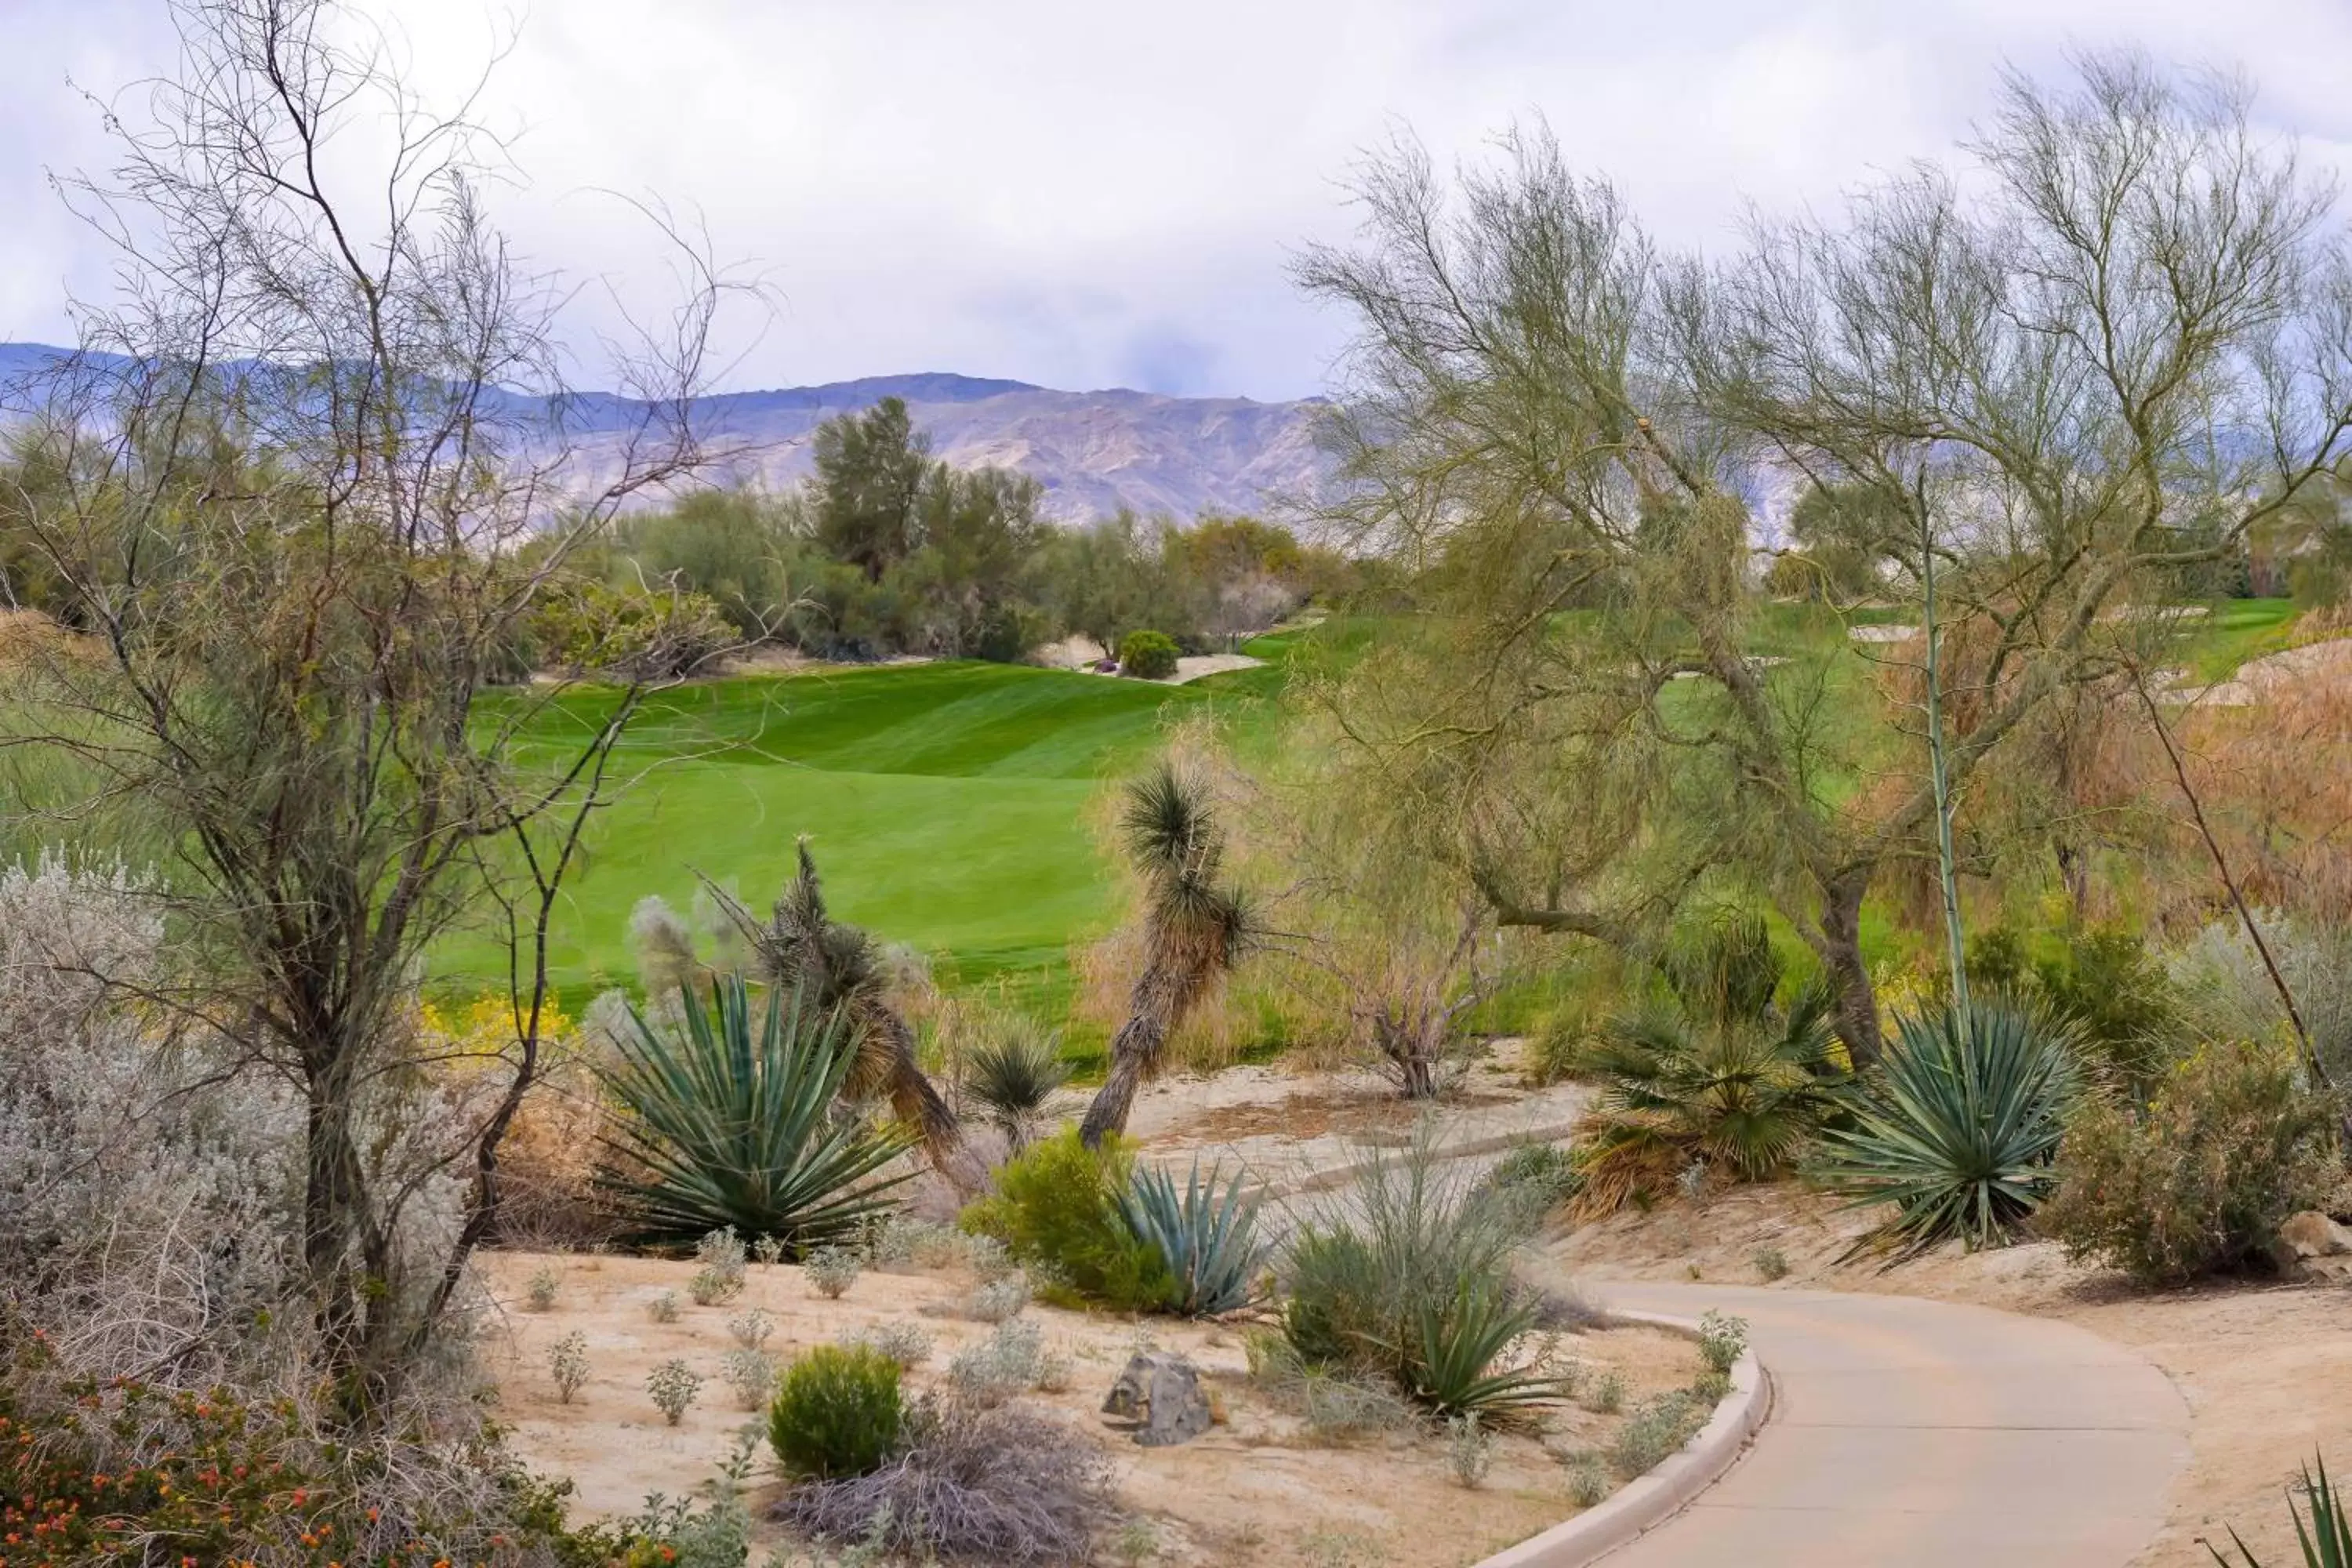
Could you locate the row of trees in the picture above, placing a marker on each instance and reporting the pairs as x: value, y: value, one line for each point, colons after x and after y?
x: 887, y: 549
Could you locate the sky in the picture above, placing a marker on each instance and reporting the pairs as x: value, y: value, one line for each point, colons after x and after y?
x: 1084, y: 195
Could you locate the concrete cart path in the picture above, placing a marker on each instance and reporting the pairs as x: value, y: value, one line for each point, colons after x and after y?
x: 1925, y: 1433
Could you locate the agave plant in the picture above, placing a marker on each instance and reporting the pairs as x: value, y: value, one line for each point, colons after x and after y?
x: 728, y: 1122
x: 2326, y: 1541
x: 1958, y: 1126
x: 1207, y: 1237
x: 1463, y: 1343
x: 1012, y: 1072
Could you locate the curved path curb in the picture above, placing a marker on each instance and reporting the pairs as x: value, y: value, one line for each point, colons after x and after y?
x: 1645, y: 1501
x: 1910, y: 1433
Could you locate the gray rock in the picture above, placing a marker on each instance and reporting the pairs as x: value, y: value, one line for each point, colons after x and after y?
x: 1160, y: 1395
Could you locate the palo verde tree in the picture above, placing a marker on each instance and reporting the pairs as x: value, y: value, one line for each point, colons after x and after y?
x: 2122, y: 348
x: 287, y: 484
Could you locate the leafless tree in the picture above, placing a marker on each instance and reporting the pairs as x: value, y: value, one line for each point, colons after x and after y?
x: 305, y: 482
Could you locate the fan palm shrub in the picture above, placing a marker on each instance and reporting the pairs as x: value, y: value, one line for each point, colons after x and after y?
x: 1195, y: 929
x: 1958, y: 1127
x: 727, y: 1121
x: 1011, y: 1072
x: 1713, y: 1074
x: 1207, y: 1235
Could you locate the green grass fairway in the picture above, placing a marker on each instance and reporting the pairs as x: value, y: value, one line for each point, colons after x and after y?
x: 950, y: 807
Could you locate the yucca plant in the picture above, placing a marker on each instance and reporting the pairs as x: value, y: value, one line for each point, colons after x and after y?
x: 1011, y: 1072
x: 1457, y: 1369
x: 728, y: 1121
x: 2326, y: 1539
x: 1195, y: 929
x: 1207, y: 1236
x: 1958, y: 1127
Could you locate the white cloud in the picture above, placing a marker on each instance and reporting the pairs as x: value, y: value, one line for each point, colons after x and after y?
x: 1085, y: 195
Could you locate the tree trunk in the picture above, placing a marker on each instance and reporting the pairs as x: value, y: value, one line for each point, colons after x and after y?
x: 1134, y: 1053
x: 1841, y: 949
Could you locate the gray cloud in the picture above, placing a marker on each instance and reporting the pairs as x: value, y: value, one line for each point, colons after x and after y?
x: 1083, y: 196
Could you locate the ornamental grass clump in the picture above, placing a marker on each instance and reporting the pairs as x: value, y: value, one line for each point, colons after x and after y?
x: 1408, y: 1277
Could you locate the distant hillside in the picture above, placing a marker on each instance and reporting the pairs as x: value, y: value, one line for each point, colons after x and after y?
x: 1093, y: 451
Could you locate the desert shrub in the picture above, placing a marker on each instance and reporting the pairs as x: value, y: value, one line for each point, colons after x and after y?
x: 544, y: 1286
x: 831, y: 1271
x: 720, y: 1280
x: 728, y: 1122
x: 908, y: 1344
x: 1653, y: 1431
x: 988, y: 1258
x: 1001, y: 1485
x: 752, y: 1329
x: 1336, y: 1405
x: 1055, y: 1211
x: 567, y: 1365
x: 750, y: 1372
x: 673, y: 1386
x: 1207, y: 1236
x: 2197, y: 1180
x: 1772, y: 1263
x: 1013, y: 1360
x: 1407, y: 1275
x: 1958, y: 1127
x: 1607, y: 1394
x: 1469, y: 1451
x: 1722, y: 1339
x: 836, y: 1412
x: 1537, y: 1177
x: 1588, y: 1480
x: 2227, y: 994
x: 100, y: 1469
x: 1710, y: 1387
x: 663, y: 1308
x: 2114, y: 994
x: 1012, y: 1071
x: 769, y: 1250
x: 1148, y: 655
x: 998, y: 1300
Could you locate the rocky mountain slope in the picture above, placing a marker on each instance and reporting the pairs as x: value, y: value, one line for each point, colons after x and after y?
x: 1093, y: 451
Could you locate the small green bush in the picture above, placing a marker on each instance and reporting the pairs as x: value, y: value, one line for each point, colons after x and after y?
x: 1148, y: 655
x: 836, y: 1413
x: 1055, y: 1210
x: 1537, y: 1177
x: 1653, y: 1432
x: 2198, y: 1181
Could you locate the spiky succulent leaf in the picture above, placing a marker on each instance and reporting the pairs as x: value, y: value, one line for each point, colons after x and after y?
x: 728, y: 1122
x: 1207, y: 1235
x: 1461, y: 1344
x: 1958, y: 1127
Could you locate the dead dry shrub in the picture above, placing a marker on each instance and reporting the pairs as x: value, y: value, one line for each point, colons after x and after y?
x: 997, y: 1485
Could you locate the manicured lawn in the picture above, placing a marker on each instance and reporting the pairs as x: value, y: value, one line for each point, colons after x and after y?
x: 951, y: 806
x: 2235, y: 630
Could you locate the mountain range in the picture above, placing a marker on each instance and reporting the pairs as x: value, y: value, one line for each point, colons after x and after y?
x: 1094, y: 452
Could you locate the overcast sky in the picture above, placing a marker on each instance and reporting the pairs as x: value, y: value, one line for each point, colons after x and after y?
x: 1085, y: 195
